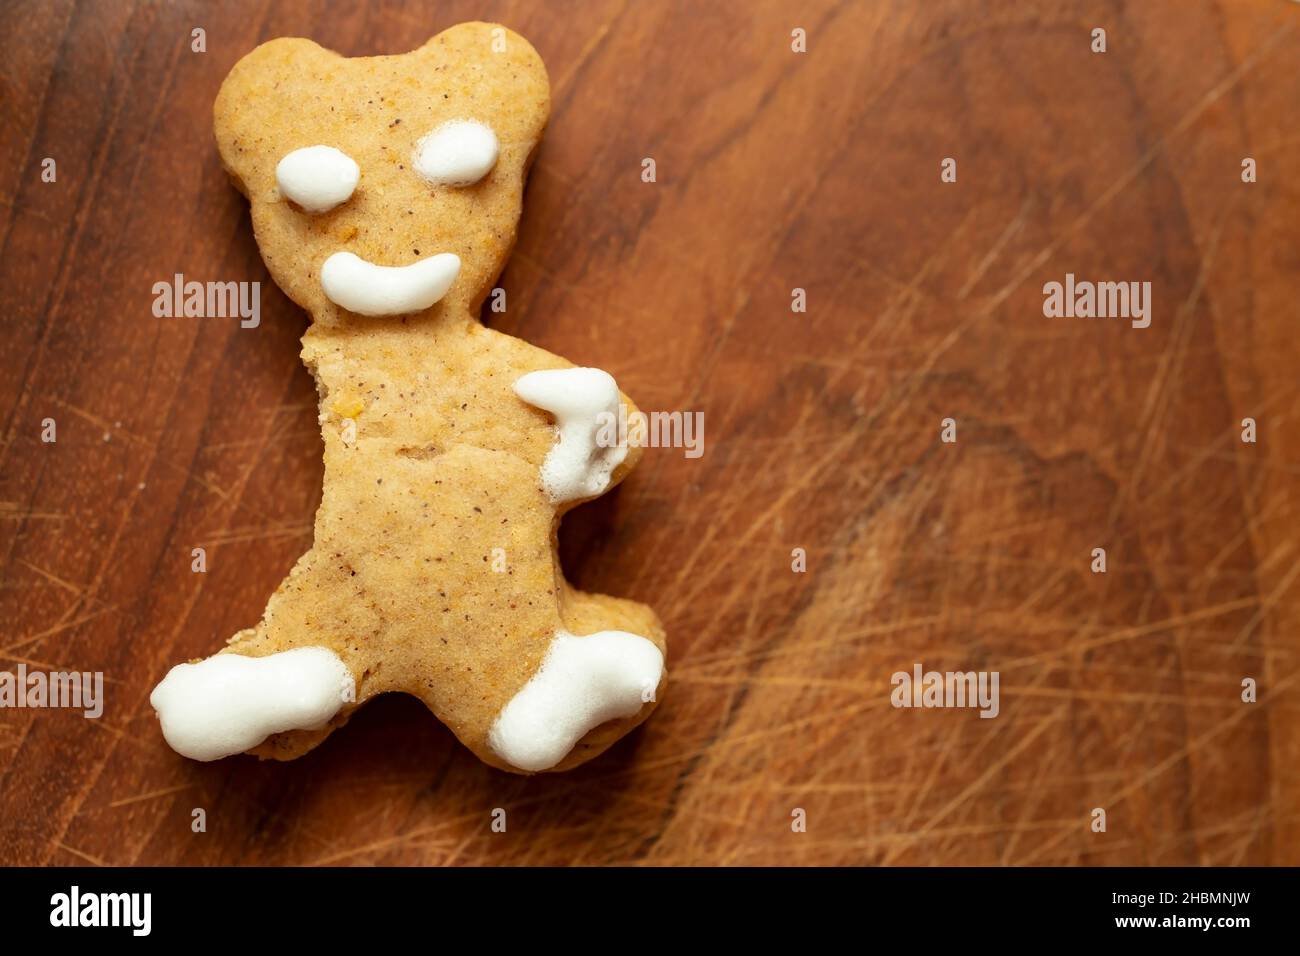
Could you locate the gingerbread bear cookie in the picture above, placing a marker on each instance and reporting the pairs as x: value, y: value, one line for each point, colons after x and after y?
x: 385, y: 193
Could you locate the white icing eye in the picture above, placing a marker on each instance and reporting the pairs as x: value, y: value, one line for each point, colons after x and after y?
x: 317, y: 178
x: 458, y: 153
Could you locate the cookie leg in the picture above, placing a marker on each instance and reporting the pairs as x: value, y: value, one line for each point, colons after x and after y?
x: 601, y: 676
x: 275, y: 690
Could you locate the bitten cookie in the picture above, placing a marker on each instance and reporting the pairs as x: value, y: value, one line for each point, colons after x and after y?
x: 385, y: 193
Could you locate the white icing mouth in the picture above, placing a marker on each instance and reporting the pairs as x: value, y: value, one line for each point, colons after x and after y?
x: 367, y: 289
x: 582, y: 683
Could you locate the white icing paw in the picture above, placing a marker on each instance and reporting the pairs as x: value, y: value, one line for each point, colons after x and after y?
x: 229, y: 703
x: 585, y: 403
x: 582, y: 683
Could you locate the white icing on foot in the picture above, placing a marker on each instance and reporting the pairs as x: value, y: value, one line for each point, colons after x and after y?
x: 458, y: 153
x: 317, y: 178
x: 367, y: 289
x: 583, y: 682
x: 578, y: 466
x: 230, y: 703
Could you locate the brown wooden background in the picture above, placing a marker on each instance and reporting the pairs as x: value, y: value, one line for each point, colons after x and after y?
x: 776, y: 170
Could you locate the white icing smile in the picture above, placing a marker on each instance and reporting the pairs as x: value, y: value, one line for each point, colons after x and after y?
x: 230, y: 703
x: 583, y: 682
x: 367, y: 289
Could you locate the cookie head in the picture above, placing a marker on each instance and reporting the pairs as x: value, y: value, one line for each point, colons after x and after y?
x: 388, y: 185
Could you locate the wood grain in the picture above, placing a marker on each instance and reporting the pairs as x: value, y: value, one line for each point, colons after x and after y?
x: 776, y: 170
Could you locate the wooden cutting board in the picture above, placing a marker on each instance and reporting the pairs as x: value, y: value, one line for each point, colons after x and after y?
x: 775, y: 171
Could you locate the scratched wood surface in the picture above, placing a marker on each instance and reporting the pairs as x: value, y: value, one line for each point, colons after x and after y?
x: 776, y: 170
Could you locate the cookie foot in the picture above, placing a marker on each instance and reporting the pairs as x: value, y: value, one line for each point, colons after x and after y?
x: 582, y: 683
